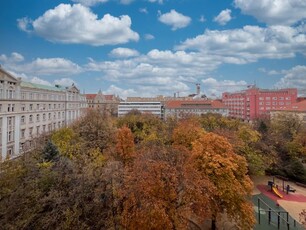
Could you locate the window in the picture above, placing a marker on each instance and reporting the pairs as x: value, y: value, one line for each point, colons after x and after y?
x: 261, y: 98
x: 281, y: 98
x: 49, y: 116
x: 37, y: 106
x: 274, y: 98
x: 22, y: 107
x: 31, y: 131
x: 10, y: 136
x: 13, y: 107
x: 44, y: 117
x: 31, y: 107
x: 22, y: 133
x: 0, y: 107
x: 31, y: 118
x: 268, y: 98
x: 22, y: 120
x: 37, y: 117
x: 44, y: 128
x: 37, y: 129
x: 9, y: 107
x: 288, y: 98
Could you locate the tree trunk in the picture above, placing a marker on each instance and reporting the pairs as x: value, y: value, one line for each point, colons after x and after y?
x: 213, y: 223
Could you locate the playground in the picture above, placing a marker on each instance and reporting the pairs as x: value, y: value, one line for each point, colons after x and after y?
x: 280, y: 202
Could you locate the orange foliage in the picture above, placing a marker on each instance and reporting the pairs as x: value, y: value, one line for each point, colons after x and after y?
x: 125, y: 146
x: 215, y: 158
x: 186, y: 132
x: 164, y: 191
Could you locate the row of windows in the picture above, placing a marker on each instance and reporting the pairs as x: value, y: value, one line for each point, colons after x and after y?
x: 275, y: 98
x: 31, y: 107
x: 274, y: 103
x: 40, y: 129
x: 44, y: 117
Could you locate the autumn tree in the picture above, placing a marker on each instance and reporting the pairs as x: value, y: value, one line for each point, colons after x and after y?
x: 145, y: 127
x: 164, y: 191
x: 186, y: 132
x: 216, y: 159
x: 125, y: 146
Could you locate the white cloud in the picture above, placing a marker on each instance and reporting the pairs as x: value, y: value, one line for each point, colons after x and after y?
x: 64, y: 82
x: 143, y: 10
x: 175, y: 19
x: 13, y: 58
x: 77, y: 24
x: 123, y: 93
x: 24, y: 24
x: 157, y: 1
x: 249, y: 43
x: 123, y: 53
x: 294, y: 78
x: 126, y: 2
x: 214, y: 87
x: 274, y: 12
x: 40, y: 81
x: 40, y: 66
x: 224, y: 17
x: 149, y: 37
x: 90, y: 2
x: 202, y: 19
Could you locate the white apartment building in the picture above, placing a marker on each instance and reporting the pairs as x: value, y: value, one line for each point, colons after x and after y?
x: 152, y: 107
x: 27, y: 110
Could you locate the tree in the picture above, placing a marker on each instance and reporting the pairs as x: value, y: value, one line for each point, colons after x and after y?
x: 162, y: 190
x: 125, y: 146
x: 216, y: 159
x: 186, y: 132
x: 50, y: 151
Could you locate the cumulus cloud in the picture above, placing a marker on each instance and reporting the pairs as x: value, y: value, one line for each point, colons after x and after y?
x: 40, y: 81
x: 123, y: 53
x: 175, y: 20
x: 40, y: 66
x: 274, y: 12
x: 295, y: 78
x: 90, y: 2
x: 224, y: 17
x: 64, y: 82
x: 13, y: 58
x: 214, y: 87
x: 249, y: 43
x: 77, y: 24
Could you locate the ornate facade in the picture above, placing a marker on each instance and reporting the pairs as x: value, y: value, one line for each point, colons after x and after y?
x: 28, y: 110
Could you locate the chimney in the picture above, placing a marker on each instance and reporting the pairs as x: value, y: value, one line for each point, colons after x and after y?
x: 198, y: 88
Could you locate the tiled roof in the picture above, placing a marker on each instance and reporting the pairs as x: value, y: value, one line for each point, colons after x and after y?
x: 39, y: 86
x: 90, y: 96
x: 194, y: 104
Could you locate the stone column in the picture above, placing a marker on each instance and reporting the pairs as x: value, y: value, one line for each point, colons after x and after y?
x: 4, y: 137
x: 17, y: 135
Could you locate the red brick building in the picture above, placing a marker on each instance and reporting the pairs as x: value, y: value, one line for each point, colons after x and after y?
x: 253, y: 103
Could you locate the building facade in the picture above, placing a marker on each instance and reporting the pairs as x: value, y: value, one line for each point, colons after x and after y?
x: 27, y: 110
x: 253, y: 103
x: 176, y: 108
x: 297, y: 110
x: 150, y: 107
x: 105, y: 103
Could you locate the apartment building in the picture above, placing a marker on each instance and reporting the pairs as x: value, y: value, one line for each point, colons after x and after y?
x: 27, y: 110
x: 297, y: 109
x: 180, y: 108
x: 253, y: 102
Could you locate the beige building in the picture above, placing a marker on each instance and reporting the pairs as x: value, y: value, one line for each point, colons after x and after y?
x: 27, y: 110
x: 105, y: 103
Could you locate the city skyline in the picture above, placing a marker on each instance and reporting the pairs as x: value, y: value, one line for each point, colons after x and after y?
x: 155, y: 47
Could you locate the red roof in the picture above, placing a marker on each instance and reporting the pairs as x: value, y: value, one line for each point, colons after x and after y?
x: 194, y: 104
x: 90, y: 96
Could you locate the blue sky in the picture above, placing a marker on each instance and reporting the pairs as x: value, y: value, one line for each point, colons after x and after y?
x: 156, y: 47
